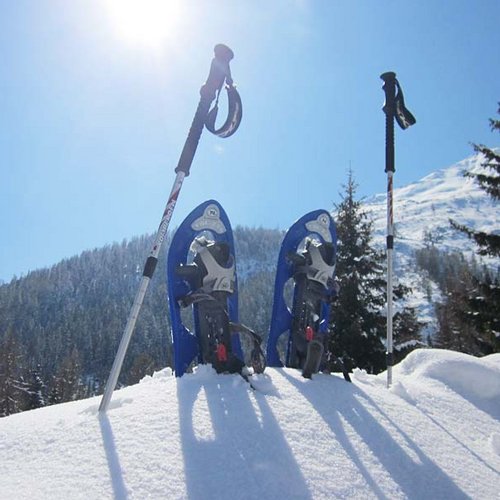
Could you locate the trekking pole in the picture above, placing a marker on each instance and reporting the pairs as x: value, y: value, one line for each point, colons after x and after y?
x: 393, y: 108
x: 219, y: 73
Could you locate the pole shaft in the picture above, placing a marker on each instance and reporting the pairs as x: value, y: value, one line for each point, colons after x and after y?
x: 390, y: 247
x: 389, y: 141
x: 389, y: 110
x: 141, y: 292
x: 193, y: 138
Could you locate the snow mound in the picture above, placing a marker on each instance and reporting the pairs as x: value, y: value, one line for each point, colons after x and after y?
x: 471, y: 377
x: 164, y: 374
x: 209, y: 436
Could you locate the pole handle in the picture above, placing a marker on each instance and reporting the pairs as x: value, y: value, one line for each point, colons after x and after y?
x: 389, y: 109
x: 219, y: 72
x: 389, y: 88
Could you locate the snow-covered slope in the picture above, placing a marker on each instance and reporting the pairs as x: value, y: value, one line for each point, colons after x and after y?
x: 435, y: 434
x: 424, y: 209
x: 427, y: 206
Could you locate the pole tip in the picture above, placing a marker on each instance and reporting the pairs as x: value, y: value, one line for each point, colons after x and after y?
x: 223, y: 53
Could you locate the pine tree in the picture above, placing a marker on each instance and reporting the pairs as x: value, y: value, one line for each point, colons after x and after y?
x: 358, y: 323
x: 143, y: 365
x: 12, y: 386
x: 483, y: 306
x: 459, y: 323
x: 489, y: 181
x: 54, y: 396
x: 357, y: 327
x: 455, y: 333
x: 69, y: 386
x: 36, y: 389
x: 407, y: 336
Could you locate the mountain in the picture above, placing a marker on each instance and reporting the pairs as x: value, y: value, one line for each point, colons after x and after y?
x: 422, y: 210
x: 434, y: 434
x: 422, y: 213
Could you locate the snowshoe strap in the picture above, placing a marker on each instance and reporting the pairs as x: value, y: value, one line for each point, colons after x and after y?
x: 315, y: 266
x: 221, y: 353
x: 218, y: 278
x: 257, y: 356
x: 194, y: 298
x: 319, y: 269
x: 309, y: 333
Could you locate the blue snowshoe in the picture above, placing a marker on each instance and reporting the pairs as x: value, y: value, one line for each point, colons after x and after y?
x: 202, y: 276
x: 306, y: 261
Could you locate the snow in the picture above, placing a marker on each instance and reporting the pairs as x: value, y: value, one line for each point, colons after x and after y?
x: 424, y: 208
x: 434, y: 434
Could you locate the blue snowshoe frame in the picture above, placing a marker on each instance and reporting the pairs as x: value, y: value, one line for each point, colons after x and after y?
x: 317, y: 225
x: 209, y: 216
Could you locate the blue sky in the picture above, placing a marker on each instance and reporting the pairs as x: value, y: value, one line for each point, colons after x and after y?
x: 95, y: 107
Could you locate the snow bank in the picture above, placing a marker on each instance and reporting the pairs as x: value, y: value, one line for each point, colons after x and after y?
x: 210, y: 436
x: 471, y: 377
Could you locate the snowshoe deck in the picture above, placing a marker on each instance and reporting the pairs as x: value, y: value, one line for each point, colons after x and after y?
x: 311, y: 270
x: 201, y: 274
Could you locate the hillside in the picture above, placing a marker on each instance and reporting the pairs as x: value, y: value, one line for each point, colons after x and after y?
x: 435, y: 434
x: 422, y: 213
x: 74, y: 312
x: 422, y: 210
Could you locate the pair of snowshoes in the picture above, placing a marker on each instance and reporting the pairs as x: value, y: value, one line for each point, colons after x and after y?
x: 201, y: 272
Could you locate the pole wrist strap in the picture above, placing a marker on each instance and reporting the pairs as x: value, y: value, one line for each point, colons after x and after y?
x: 234, y: 114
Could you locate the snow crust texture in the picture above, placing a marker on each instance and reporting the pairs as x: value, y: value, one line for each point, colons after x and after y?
x: 434, y: 434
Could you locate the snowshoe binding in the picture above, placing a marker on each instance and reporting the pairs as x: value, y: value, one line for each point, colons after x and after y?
x: 202, y: 275
x: 307, y: 260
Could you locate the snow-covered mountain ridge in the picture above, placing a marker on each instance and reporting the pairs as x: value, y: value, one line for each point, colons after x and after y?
x: 435, y: 434
x: 426, y: 206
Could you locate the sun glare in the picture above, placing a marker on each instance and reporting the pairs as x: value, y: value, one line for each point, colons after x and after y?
x: 149, y: 22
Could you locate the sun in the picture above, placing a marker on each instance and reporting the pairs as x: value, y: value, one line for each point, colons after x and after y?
x: 149, y: 22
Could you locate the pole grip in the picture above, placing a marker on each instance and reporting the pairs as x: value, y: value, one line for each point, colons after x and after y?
x: 389, y: 109
x: 219, y: 72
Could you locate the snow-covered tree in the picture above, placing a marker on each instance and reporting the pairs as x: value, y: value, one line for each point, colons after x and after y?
x: 13, y: 389
x: 36, y: 389
x: 489, y: 181
x: 358, y: 323
x: 483, y: 306
x: 54, y: 396
x: 357, y: 326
